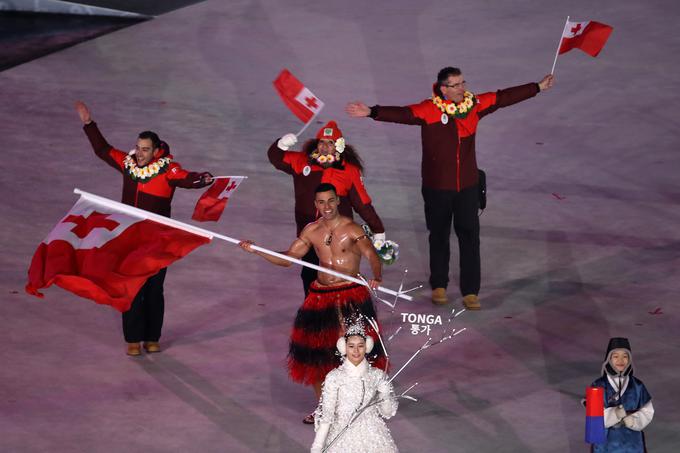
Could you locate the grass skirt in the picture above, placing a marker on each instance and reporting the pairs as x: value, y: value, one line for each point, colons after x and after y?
x: 318, y: 325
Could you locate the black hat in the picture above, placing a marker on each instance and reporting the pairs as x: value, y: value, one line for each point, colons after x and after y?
x: 614, y: 344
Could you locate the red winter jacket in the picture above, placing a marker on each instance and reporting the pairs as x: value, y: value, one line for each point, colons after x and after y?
x: 347, y: 182
x: 153, y: 195
x: 449, y: 160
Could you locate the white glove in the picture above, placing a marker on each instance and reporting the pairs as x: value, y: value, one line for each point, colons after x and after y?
x: 286, y: 141
x: 620, y: 412
x: 320, y: 438
x: 629, y: 422
x: 379, y: 236
x: 384, y: 386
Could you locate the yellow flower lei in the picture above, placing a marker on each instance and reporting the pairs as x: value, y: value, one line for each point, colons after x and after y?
x: 148, y: 172
x: 324, y: 159
x: 459, y: 110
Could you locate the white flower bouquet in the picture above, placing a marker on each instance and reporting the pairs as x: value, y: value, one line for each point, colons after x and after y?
x: 388, y: 251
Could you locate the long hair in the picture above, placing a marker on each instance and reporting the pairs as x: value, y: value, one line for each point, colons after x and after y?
x: 349, y: 155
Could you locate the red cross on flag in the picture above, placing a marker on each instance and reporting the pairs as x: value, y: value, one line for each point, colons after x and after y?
x: 298, y: 98
x: 211, y: 204
x: 103, y: 253
x: 589, y: 36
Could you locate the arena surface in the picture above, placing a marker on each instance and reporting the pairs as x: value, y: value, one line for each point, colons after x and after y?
x: 580, y: 240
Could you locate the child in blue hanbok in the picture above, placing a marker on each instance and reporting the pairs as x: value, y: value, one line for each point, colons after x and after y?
x: 627, y: 403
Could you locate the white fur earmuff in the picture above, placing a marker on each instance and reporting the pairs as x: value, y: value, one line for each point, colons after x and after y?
x: 341, y: 344
x: 369, y: 344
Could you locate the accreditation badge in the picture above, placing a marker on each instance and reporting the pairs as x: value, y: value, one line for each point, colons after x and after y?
x: 307, y: 170
x: 445, y: 118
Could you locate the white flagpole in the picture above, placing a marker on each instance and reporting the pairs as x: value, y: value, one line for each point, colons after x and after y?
x: 305, y: 126
x: 557, y: 52
x: 309, y: 122
x: 140, y: 213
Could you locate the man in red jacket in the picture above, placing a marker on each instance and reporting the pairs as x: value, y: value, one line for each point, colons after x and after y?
x: 448, y: 122
x: 149, y: 180
x: 324, y: 159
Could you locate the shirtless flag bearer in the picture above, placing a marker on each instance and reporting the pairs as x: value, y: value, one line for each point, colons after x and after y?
x: 332, y: 302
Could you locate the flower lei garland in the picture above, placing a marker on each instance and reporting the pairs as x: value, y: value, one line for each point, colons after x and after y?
x: 324, y: 159
x: 459, y: 110
x: 148, y: 172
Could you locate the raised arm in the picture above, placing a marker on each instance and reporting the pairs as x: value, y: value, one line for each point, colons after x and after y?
x: 100, y: 146
x: 490, y: 102
x: 279, y: 150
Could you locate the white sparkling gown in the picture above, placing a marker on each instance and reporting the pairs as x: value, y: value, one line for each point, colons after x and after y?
x: 344, y: 390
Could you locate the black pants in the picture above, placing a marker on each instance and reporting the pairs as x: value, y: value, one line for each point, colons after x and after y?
x: 144, y: 320
x: 441, y: 206
x: 307, y: 274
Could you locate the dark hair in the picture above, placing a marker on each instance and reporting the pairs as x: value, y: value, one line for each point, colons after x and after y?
x: 165, y: 148
x: 445, y: 73
x: 442, y: 75
x: 325, y: 187
x: 349, y: 155
x: 155, y: 140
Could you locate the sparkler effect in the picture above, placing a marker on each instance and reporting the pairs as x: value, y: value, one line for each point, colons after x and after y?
x: 401, y: 291
x: 374, y: 324
x: 394, y: 334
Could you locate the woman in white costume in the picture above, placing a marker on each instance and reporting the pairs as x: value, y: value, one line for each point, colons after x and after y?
x: 347, y: 390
